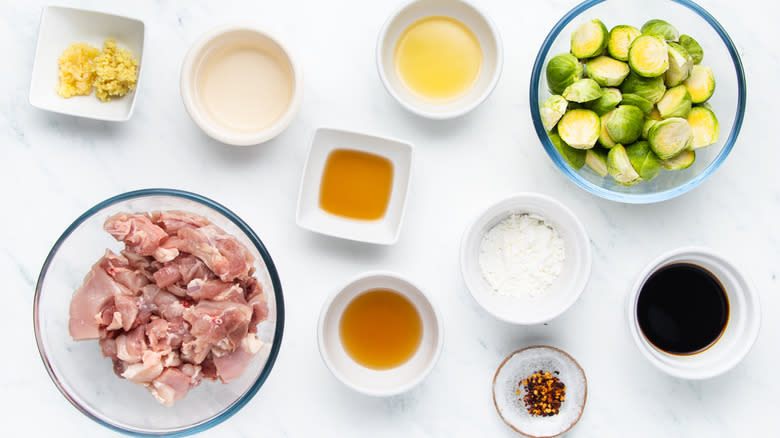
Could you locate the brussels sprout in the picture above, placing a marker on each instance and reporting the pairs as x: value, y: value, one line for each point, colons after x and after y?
x: 701, y: 83
x: 704, y: 126
x: 644, y: 160
x: 620, y: 39
x: 646, y: 127
x: 680, y: 65
x: 610, y: 98
x: 596, y: 159
x: 625, y: 124
x: 604, y: 138
x: 619, y: 166
x: 589, y: 39
x: 575, y: 157
x: 580, y: 128
x: 692, y: 47
x: 649, y: 56
x: 562, y: 71
x: 552, y: 110
x: 661, y: 28
x: 654, y: 114
x: 683, y: 160
x: 583, y: 90
x: 638, y: 101
x: 651, y: 89
x: 606, y: 71
x: 668, y: 137
x: 675, y: 103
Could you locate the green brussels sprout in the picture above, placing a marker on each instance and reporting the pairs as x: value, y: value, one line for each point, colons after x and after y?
x: 610, y: 98
x: 638, y: 101
x: 701, y: 83
x: 562, y: 71
x: 683, y: 160
x: 619, y: 166
x: 649, y: 56
x: 606, y: 71
x: 652, y: 89
x: 646, y: 127
x: 596, y: 159
x: 575, y: 157
x: 620, y: 39
x: 583, y: 90
x: 704, y: 126
x: 693, y: 48
x: 580, y: 128
x: 680, y: 65
x: 604, y: 138
x: 675, y: 103
x: 552, y: 110
x: 644, y: 160
x: 661, y: 28
x: 670, y: 136
x: 589, y: 39
x: 625, y: 124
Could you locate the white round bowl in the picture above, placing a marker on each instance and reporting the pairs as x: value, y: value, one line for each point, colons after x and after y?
x: 741, y: 329
x: 561, y: 294
x: 485, y: 31
x: 214, y: 40
x: 370, y: 381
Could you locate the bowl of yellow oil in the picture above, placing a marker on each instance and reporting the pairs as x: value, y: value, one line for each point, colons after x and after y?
x: 380, y: 334
x: 439, y: 58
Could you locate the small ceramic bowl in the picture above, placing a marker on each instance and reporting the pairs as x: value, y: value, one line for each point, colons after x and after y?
x: 741, y: 329
x: 521, y: 364
x: 366, y: 380
x: 485, y: 31
x: 310, y: 215
x: 561, y: 294
x: 222, y: 38
x: 61, y: 27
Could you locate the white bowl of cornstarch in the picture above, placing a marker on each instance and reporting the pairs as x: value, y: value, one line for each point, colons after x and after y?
x: 526, y: 259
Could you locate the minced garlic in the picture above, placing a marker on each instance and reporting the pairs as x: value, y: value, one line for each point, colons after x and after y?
x: 116, y: 71
x: 77, y: 70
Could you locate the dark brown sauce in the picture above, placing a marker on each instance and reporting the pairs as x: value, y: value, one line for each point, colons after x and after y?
x: 682, y: 308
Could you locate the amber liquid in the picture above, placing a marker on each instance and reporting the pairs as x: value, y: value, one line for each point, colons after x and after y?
x: 356, y: 184
x: 380, y: 329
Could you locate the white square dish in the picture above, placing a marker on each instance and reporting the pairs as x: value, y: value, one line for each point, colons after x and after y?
x: 310, y: 215
x: 60, y: 27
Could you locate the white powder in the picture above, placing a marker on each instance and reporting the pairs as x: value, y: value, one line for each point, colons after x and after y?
x: 522, y: 255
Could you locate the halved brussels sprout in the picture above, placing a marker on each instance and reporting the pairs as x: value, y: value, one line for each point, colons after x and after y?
x: 583, y: 90
x: 668, y: 137
x: 552, y: 110
x: 644, y: 160
x: 646, y: 127
x: 680, y: 65
x: 661, y: 28
x: 596, y: 159
x: 575, y: 157
x: 675, y: 103
x: 562, y: 71
x: 649, y: 56
x: 652, y: 89
x: 701, y: 83
x: 620, y: 39
x: 610, y: 98
x: 606, y: 71
x: 692, y: 47
x: 580, y: 128
x: 589, y: 39
x: 704, y: 126
x: 683, y: 160
x: 638, y: 101
x: 625, y: 124
x: 619, y: 166
x: 604, y: 138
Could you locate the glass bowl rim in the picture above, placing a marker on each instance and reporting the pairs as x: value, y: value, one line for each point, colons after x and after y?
x: 636, y: 198
x: 272, y: 272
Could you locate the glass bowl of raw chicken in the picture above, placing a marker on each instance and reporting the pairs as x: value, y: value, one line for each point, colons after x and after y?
x: 158, y: 312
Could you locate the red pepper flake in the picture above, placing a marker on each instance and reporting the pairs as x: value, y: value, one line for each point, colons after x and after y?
x: 544, y: 393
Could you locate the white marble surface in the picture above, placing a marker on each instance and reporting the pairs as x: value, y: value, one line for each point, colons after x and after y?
x: 55, y: 167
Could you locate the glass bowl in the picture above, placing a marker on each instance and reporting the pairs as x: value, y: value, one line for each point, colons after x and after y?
x: 728, y: 102
x: 87, y: 379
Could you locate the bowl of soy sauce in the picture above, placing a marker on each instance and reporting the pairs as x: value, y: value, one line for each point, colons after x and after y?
x: 693, y: 313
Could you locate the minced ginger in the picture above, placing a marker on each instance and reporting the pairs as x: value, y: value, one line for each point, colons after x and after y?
x: 112, y: 71
x: 77, y: 70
